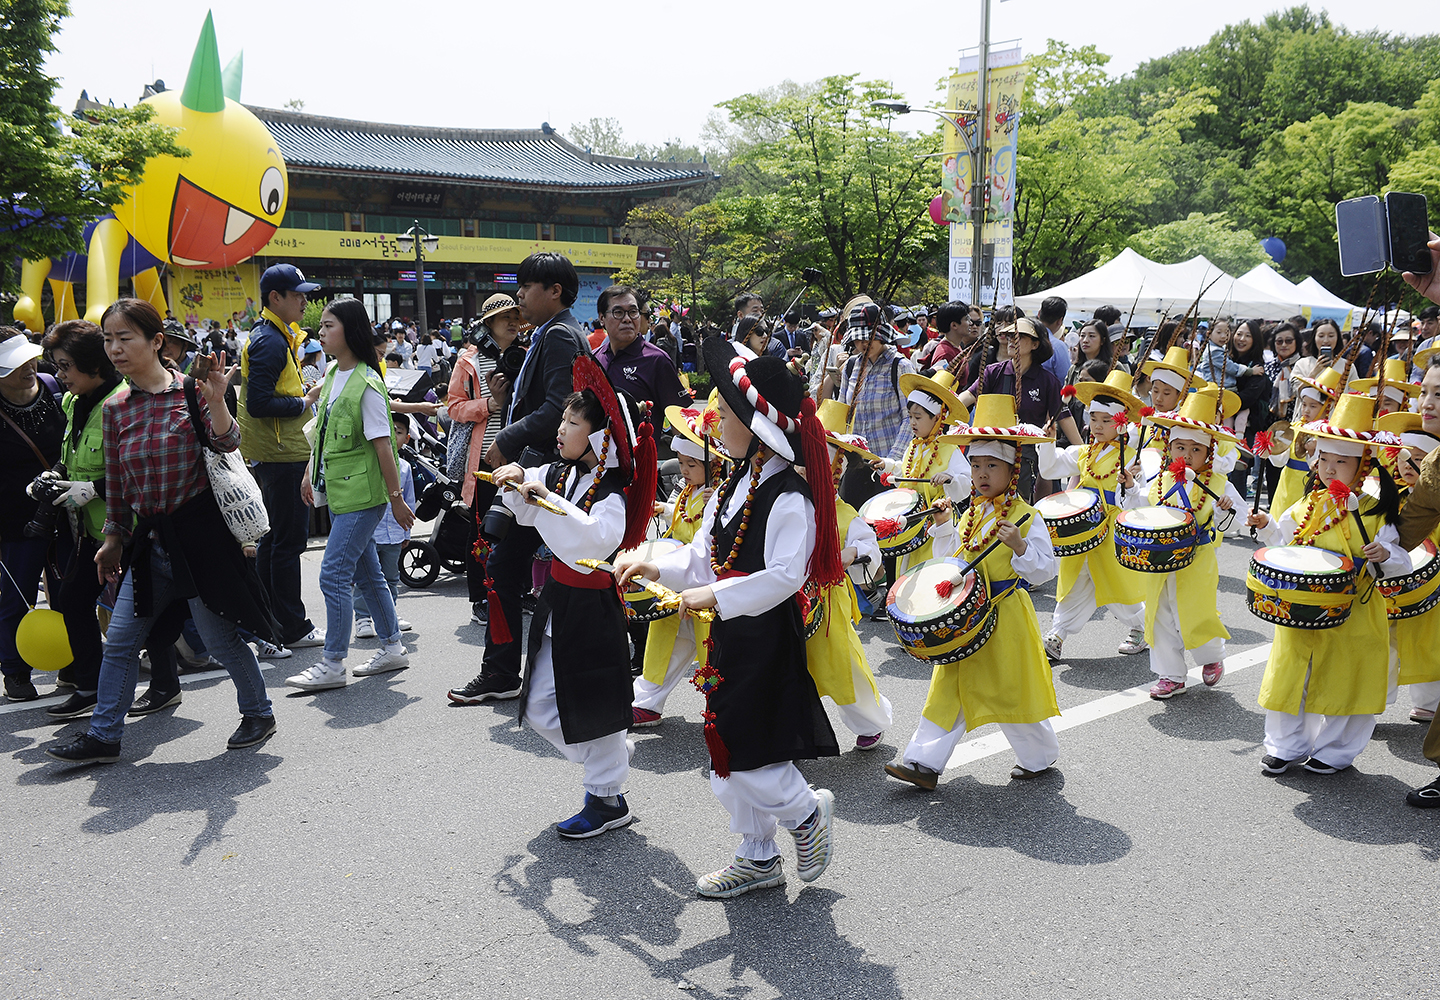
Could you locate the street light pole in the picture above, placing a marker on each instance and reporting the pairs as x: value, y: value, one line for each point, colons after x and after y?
x: 419, y: 280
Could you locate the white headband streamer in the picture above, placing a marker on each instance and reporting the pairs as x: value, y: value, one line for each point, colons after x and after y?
x: 1101, y: 406
x: 925, y: 401
x: 1167, y: 377
x: 1003, y: 450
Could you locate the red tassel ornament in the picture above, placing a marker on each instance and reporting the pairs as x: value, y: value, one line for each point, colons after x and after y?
x: 1340, y: 493
x: 1068, y: 392
x: 640, y: 494
x: 888, y: 527
x: 1178, y: 467
x: 943, y: 589
x: 825, y: 568
x: 1147, y: 411
x: 1264, y: 442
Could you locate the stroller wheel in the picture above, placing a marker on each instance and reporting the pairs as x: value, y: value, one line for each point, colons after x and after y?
x: 419, y: 564
x: 454, y: 565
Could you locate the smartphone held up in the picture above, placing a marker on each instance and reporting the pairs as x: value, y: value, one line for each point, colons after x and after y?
x: 1375, y: 233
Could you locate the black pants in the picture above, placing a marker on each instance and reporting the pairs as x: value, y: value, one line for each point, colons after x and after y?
x: 509, y: 567
x: 278, y: 556
x: 160, y: 645
x: 475, y: 568
x: 75, y: 599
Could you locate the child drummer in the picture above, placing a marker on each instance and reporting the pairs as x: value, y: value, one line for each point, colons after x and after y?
x: 671, y: 644
x: 1171, y: 382
x: 834, y: 654
x: 1008, y: 680
x: 1181, y: 616
x: 1323, y: 688
x: 1416, y: 638
x: 933, y: 467
x: 759, y: 539
x: 1316, y: 396
x: 577, y: 683
x: 1399, y: 390
x: 1096, y: 578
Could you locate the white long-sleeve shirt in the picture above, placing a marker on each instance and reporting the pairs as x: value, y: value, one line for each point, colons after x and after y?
x: 1036, y: 567
x: 957, y: 489
x: 1281, y: 531
x: 789, y: 541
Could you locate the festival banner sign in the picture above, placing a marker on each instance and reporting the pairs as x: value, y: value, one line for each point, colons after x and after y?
x: 201, y: 295
x: 1001, y: 121
x: 312, y: 244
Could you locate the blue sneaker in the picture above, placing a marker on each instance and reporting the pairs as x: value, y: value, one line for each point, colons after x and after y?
x: 595, y: 818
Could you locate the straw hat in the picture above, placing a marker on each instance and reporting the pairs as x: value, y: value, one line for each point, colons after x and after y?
x: 496, y: 304
x: 941, y: 388
x: 1117, y: 386
x: 1397, y: 379
x: 1177, y: 361
x: 1199, y: 412
x: 995, y: 420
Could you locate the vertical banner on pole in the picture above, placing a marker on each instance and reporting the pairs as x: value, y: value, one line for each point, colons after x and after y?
x: 1001, y: 120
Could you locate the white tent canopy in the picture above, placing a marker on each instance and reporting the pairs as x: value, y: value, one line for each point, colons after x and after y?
x: 1316, y: 301
x: 1166, y: 290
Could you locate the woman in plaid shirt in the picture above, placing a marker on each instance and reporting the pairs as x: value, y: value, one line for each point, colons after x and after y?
x: 182, y: 549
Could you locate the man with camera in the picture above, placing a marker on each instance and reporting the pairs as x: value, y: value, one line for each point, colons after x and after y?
x: 548, y: 288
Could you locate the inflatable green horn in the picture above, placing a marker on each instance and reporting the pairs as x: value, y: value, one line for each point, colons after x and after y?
x: 204, y: 87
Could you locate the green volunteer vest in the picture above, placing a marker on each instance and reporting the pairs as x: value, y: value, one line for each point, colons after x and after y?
x: 351, y: 469
x: 85, y: 459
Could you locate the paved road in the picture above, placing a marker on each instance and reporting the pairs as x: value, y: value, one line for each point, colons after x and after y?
x: 385, y: 843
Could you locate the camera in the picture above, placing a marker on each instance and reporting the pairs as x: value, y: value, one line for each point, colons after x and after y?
x: 497, y: 522
x: 512, y: 359
x: 45, y: 489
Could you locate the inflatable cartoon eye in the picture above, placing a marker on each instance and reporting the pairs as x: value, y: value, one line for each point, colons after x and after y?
x: 272, y: 190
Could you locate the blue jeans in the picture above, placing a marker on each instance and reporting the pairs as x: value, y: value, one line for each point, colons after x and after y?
x: 24, y: 558
x: 277, y: 557
x: 127, y: 636
x: 350, y: 557
x: 389, y: 554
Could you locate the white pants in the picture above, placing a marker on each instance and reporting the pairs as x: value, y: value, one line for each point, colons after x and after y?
x: 682, y: 658
x: 1035, y: 744
x: 606, y: 760
x: 1075, y: 610
x: 1167, y: 652
x: 867, y: 715
x: 1425, y: 695
x: 1333, y: 739
x: 758, y: 801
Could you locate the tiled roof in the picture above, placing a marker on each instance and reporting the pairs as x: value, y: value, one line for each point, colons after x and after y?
x: 528, y: 157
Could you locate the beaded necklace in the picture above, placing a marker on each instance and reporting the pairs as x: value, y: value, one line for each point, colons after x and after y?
x: 1089, y: 453
x: 929, y: 448
x: 599, y: 470
x: 1306, y: 535
x: 971, y: 522
x: 682, y: 504
x: 722, y: 568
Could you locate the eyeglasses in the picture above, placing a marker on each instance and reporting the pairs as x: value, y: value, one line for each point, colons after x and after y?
x: 64, y: 366
x: 1284, y: 340
x: 618, y: 313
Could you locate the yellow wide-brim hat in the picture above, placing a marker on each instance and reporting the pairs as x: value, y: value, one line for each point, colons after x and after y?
x: 1199, y: 411
x: 834, y: 416
x: 1177, y: 360
x: 995, y: 420
x: 1229, y: 400
x: 1397, y: 377
x: 1352, y: 420
x: 694, y: 426
x: 942, y: 386
x: 1118, y: 385
x: 1328, y: 382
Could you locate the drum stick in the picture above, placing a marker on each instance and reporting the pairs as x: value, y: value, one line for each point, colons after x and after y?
x: 513, y: 487
x: 664, y: 596
x: 990, y: 548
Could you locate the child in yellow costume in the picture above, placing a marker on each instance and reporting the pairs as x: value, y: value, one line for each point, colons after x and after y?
x: 1008, y: 679
x: 671, y: 645
x: 1416, y: 639
x: 931, y: 466
x: 1180, y: 607
x: 1316, y: 396
x: 834, y: 654
x: 1399, y: 390
x: 1323, y: 688
x: 1095, y: 578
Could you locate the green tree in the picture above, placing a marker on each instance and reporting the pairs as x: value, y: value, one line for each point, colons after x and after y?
x: 850, y: 195
x: 1212, y: 236
x: 55, y: 178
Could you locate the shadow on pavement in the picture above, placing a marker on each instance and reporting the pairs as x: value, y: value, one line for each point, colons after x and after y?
x: 627, y: 894
x: 1364, y: 809
x: 1403, y: 739
x: 1209, y: 715
x: 363, y: 701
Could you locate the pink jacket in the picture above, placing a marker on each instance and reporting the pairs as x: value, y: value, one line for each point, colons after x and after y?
x: 468, y: 408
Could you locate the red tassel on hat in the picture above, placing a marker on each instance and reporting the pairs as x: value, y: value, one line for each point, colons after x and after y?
x: 825, y: 568
x: 640, y: 495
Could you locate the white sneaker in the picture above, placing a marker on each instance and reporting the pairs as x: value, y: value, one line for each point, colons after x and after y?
x: 315, y: 637
x: 405, y: 626
x: 1134, y: 642
x: 1053, y: 644
x: 269, y: 651
x: 364, y: 628
x: 382, y: 662
x: 319, y: 676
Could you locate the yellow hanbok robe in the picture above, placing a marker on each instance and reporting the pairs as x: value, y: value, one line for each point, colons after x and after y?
x: 1198, y: 585
x: 1008, y: 679
x: 835, y: 648
x: 1114, y: 584
x: 913, y: 463
x: 1348, y: 666
x: 1290, y: 487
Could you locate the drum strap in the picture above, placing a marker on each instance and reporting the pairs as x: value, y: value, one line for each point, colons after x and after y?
x: 1109, y: 496
x: 1002, y: 587
x: 1297, y: 465
x: 1300, y: 596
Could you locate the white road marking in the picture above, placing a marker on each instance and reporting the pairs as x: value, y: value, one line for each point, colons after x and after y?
x: 995, y: 742
x: 21, y: 706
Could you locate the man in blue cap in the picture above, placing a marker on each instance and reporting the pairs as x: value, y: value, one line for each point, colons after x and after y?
x: 273, y: 411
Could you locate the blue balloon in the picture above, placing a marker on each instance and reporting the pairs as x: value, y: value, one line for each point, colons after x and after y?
x: 1275, y: 247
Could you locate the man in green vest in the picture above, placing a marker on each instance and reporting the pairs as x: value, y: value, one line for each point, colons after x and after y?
x: 273, y: 411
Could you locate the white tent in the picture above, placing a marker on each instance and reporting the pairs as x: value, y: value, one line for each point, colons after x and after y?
x: 1316, y: 301
x: 1164, y: 290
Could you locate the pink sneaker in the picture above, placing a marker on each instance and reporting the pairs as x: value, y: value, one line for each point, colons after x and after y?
x: 1212, y: 672
x: 1166, y: 688
x: 643, y: 718
x: 868, y: 742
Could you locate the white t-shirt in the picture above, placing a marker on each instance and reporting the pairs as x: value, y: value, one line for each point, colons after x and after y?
x: 374, y: 408
x: 425, y: 356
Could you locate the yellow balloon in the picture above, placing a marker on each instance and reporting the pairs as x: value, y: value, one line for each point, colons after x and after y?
x: 42, y: 640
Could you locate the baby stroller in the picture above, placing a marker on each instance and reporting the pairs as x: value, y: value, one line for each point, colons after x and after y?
x: 453, y: 535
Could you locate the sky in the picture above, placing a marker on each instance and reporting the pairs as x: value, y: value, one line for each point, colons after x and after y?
x: 657, y: 67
